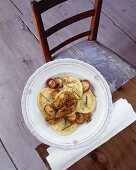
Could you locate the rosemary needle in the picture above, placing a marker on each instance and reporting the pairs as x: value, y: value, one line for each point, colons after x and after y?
x: 93, y: 93
x: 66, y: 127
x: 44, y: 96
x: 86, y: 101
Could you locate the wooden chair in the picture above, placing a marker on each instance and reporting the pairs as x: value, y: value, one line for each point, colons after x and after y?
x: 40, y: 7
x: 114, y: 69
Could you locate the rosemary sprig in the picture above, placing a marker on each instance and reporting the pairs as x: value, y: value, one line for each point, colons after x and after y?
x: 93, y: 93
x: 66, y: 127
x: 44, y: 97
x: 86, y: 100
x: 76, y: 93
x: 65, y: 120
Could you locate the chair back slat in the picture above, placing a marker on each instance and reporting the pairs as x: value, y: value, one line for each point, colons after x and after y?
x: 44, y: 5
x: 69, y: 21
x: 39, y: 7
x: 81, y: 35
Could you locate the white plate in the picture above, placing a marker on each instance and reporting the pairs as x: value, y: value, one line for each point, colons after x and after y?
x: 86, y: 133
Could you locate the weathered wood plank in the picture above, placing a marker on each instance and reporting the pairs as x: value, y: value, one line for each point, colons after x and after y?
x: 112, y: 37
x: 122, y: 13
x: 5, y: 162
x: 115, y: 157
x: 8, y: 10
x: 19, y: 58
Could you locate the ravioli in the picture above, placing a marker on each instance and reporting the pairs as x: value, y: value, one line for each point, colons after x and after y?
x: 87, y: 103
x: 73, y: 84
x: 64, y: 128
x: 44, y: 98
x: 68, y: 105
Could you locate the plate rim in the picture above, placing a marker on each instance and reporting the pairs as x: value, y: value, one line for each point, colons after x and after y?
x: 74, y: 145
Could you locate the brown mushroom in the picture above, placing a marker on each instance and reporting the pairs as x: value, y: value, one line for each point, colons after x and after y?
x: 59, y: 82
x: 65, y: 110
x: 79, y: 118
x: 51, y: 83
x: 65, y: 99
x: 49, y: 111
x: 71, y: 117
x: 52, y: 121
x: 61, y: 112
x: 86, y: 85
x: 87, y: 117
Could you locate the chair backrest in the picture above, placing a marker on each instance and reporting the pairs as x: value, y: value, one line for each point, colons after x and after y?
x: 39, y: 7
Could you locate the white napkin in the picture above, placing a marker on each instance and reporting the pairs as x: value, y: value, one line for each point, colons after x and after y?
x: 123, y: 115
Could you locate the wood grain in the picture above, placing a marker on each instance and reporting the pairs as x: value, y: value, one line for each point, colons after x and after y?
x: 8, y: 11
x: 119, y: 152
x: 19, y: 58
x: 123, y: 44
x: 122, y: 13
x: 5, y: 161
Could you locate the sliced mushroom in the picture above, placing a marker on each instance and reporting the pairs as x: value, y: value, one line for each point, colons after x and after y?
x: 65, y: 110
x: 61, y: 112
x: 59, y: 82
x: 71, y: 117
x: 86, y: 85
x: 87, y: 117
x: 79, y: 118
x: 69, y: 103
x: 52, y: 121
x: 64, y: 99
x: 51, y: 83
x: 49, y: 111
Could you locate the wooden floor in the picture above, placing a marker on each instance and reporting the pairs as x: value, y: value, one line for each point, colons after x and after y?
x: 20, y: 56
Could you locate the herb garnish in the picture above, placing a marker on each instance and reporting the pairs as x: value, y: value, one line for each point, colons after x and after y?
x: 44, y: 97
x: 93, y: 92
x: 86, y: 100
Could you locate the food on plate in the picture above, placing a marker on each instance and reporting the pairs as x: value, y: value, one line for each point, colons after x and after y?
x: 87, y: 103
x: 86, y: 85
x: 64, y: 127
x: 45, y: 97
x: 54, y: 83
x: 66, y: 102
x: 74, y: 85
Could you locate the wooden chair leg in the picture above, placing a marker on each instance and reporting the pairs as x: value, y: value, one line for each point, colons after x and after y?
x: 41, y: 149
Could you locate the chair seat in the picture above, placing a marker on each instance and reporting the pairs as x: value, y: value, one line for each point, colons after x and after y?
x: 114, y: 69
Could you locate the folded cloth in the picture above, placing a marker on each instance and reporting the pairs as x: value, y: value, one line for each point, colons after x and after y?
x: 123, y: 115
